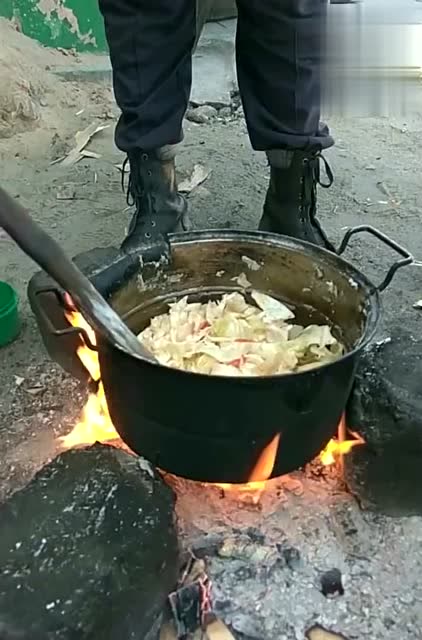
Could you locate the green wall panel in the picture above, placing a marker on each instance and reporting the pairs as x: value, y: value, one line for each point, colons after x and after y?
x: 69, y: 24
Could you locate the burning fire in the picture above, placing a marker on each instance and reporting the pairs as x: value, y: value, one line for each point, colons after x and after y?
x: 338, y: 447
x: 95, y: 424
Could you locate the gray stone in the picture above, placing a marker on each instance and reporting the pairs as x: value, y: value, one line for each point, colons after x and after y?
x: 88, y: 551
x: 201, y: 114
x: 386, y: 408
x: 225, y: 112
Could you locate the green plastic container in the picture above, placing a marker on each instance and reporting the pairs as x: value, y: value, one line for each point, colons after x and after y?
x: 9, y: 314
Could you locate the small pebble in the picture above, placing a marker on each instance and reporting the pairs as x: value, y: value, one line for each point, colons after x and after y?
x: 292, y: 557
x: 202, y: 114
x: 225, y: 112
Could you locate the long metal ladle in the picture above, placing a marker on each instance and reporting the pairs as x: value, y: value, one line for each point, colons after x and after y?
x: 48, y: 254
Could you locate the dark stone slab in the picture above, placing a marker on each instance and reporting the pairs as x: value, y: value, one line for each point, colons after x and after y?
x: 88, y: 550
x: 386, y: 408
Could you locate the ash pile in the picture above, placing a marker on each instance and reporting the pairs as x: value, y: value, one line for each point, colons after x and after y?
x: 305, y: 555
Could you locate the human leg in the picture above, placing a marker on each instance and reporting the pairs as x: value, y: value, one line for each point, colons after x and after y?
x: 151, y: 47
x: 279, y: 57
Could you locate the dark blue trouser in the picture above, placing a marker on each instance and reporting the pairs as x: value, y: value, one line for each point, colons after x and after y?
x: 279, y: 49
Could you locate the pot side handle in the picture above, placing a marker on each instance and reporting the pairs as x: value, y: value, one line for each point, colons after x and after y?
x: 405, y: 260
x: 54, y: 330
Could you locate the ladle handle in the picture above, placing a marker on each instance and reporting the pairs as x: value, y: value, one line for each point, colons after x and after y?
x: 48, y: 254
x: 37, y: 244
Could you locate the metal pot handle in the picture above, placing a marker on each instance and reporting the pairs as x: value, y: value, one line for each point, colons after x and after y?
x: 61, y: 332
x: 407, y: 257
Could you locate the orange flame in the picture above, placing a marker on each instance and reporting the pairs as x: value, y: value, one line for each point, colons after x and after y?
x: 95, y: 424
x: 88, y: 357
x: 266, y: 461
x: 260, y: 473
x: 338, y: 447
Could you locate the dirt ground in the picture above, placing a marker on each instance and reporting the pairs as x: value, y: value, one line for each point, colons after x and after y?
x: 376, y: 163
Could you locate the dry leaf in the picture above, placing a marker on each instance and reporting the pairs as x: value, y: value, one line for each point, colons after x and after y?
x: 241, y: 547
x: 198, y: 176
x: 19, y: 380
x: 319, y: 633
x: 217, y: 630
x: 82, y: 138
x: 57, y: 160
x: 418, y: 305
x: 35, y: 390
x: 195, y: 570
x: 168, y: 632
x: 66, y: 192
x: 90, y: 154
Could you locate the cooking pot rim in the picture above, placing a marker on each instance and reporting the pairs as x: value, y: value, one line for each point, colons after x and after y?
x: 285, y: 242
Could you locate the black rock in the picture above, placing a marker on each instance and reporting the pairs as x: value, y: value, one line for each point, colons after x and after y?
x: 256, y: 535
x: 88, y: 550
x: 331, y: 583
x: 386, y: 409
x: 291, y: 557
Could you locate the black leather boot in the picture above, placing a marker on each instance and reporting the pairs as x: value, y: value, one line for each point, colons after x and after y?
x: 159, y: 208
x: 290, y: 205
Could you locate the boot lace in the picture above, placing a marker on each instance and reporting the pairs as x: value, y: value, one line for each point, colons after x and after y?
x: 134, y: 189
x: 314, y: 165
x: 136, y: 193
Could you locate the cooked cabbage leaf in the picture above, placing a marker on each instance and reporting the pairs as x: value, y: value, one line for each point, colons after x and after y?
x: 230, y: 337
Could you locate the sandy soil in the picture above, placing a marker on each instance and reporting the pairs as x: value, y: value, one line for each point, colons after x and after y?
x: 377, y: 181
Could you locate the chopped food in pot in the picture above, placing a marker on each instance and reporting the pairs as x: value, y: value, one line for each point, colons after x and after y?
x: 230, y: 337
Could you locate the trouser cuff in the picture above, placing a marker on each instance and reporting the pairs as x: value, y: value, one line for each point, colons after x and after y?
x: 168, y: 152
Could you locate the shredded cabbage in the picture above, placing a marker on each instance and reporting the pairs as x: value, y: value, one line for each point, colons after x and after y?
x: 231, y: 337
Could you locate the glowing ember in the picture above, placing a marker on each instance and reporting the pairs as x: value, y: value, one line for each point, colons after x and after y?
x: 95, y: 424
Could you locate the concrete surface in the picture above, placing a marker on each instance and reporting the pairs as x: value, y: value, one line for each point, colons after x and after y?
x: 213, y: 72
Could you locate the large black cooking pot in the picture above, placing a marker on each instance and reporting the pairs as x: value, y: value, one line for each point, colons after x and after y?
x: 215, y: 428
